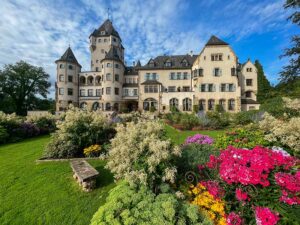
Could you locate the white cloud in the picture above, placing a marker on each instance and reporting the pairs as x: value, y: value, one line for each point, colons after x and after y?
x: 40, y: 31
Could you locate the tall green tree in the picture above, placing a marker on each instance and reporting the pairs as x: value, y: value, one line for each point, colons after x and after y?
x: 22, y: 82
x: 264, y: 87
x: 291, y: 72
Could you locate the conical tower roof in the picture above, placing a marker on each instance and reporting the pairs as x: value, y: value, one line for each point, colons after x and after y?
x: 215, y: 41
x: 106, y: 29
x: 68, y: 56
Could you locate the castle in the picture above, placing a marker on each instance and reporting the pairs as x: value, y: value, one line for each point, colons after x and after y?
x: 187, y: 82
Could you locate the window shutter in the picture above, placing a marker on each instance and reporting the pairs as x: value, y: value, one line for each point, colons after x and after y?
x: 157, y: 77
x: 220, y: 72
x: 199, y: 87
x: 234, y: 87
x: 227, y: 87
x: 214, y: 87
x: 206, y: 87
x: 220, y: 87
x: 145, y: 76
x: 188, y: 76
x: 169, y: 76
x: 213, y: 72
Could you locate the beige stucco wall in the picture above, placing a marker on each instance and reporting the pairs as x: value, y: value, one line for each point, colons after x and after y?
x: 63, y: 100
x: 229, y: 61
x: 249, y: 75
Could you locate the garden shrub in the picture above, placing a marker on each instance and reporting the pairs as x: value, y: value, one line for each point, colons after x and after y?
x: 247, y: 117
x: 189, y: 121
x: 79, y: 129
x: 259, y: 186
x: 283, y: 132
x: 218, y: 120
x: 3, y: 135
x: 194, y: 154
x: 139, y: 205
x: 46, y: 123
x: 140, y: 154
x: 247, y: 137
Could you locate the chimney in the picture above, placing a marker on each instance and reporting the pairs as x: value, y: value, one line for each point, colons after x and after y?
x: 133, y: 63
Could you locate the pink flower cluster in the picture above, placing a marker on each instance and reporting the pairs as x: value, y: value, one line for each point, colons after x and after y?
x: 264, y: 216
x: 241, y: 195
x: 249, y: 167
x: 290, y: 187
x: 214, y: 188
x: 233, y: 219
x: 199, y: 139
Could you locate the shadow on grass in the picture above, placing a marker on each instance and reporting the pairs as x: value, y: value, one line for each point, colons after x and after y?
x: 105, y: 177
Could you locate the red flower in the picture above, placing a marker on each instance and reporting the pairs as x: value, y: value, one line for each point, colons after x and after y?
x: 264, y: 216
x: 233, y: 219
x: 241, y: 196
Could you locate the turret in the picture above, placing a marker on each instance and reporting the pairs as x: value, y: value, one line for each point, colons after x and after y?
x: 67, y: 80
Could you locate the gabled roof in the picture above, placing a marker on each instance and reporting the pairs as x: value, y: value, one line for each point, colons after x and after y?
x: 215, y: 41
x: 106, y: 29
x: 176, y: 62
x: 131, y: 70
x: 68, y: 56
x: 112, y: 54
x: 138, y: 64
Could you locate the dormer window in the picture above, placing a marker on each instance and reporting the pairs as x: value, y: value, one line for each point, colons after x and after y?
x: 184, y: 63
x: 103, y: 33
x: 249, y: 69
x: 151, y: 63
x: 168, y: 63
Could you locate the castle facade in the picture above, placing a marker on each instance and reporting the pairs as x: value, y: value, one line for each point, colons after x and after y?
x: 186, y: 82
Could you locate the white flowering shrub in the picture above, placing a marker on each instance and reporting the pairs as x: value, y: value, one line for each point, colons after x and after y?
x: 138, y: 205
x: 283, y: 131
x: 79, y: 129
x: 291, y: 103
x: 140, y: 154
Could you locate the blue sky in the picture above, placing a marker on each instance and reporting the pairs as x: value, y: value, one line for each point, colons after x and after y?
x: 39, y: 31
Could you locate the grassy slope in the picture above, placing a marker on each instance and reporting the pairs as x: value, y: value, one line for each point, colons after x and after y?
x: 179, y: 136
x: 45, y: 193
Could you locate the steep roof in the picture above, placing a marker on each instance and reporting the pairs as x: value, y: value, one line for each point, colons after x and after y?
x: 131, y: 70
x: 177, y: 62
x: 106, y: 29
x: 215, y: 41
x: 112, y: 54
x: 68, y: 56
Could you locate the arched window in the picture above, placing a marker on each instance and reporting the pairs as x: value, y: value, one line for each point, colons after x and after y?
x: 83, y: 105
x: 107, y: 106
x: 173, y: 103
x: 222, y: 103
x: 95, y: 106
x: 82, y: 80
x: 231, y: 104
x: 150, y: 104
x: 187, y: 104
x: 90, y: 80
x: 61, y: 66
x: 116, y: 107
x: 202, y: 105
x: 98, y: 79
x: 211, y: 104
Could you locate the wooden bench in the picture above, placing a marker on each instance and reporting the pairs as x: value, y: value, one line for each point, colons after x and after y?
x: 84, y: 173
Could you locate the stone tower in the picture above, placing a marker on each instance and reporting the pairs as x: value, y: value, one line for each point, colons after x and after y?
x: 107, y: 56
x: 66, y: 85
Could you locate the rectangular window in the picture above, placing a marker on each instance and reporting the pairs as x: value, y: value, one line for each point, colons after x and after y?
x: 90, y: 92
x: 117, y: 77
x: 210, y: 87
x: 98, y: 92
x: 178, y: 75
x: 61, y: 91
x: 217, y: 72
x: 185, y: 75
x: 248, y: 94
x: 202, y: 87
x: 70, y: 91
x: 108, y: 90
x: 150, y: 89
x: 216, y: 57
x: 249, y: 82
x: 233, y: 72
x: 61, y: 77
x: 108, y: 77
x: 154, y: 76
x: 116, y: 65
x: 200, y: 72
x: 108, y: 65
x: 230, y: 87
x: 70, y: 78
x: 147, y: 76
x: 223, y: 87
x: 172, y: 76
x: 135, y: 92
x: 186, y: 88
x: 116, y: 91
x: 82, y: 92
x: 126, y: 92
x: 171, y: 89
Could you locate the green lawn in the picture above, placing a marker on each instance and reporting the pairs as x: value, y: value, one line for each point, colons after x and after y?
x: 179, y: 136
x: 45, y: 193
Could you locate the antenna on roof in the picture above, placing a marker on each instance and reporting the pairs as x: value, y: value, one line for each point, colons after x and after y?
x: 109, y: 16
x: 68, y: 37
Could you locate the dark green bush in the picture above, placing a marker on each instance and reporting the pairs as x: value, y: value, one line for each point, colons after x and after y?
x: 3, y: 135
x: 218, y: 120
x: 246, y: 117
x: 193, y: 155
x: 188, y: 121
